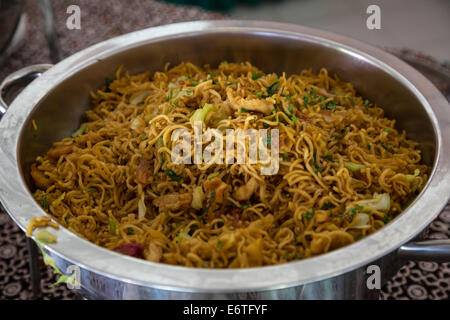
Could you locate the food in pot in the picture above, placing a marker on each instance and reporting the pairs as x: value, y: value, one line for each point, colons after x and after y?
x: 344, y: 170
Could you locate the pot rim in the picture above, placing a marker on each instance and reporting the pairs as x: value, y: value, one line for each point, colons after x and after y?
x: 21, y: 206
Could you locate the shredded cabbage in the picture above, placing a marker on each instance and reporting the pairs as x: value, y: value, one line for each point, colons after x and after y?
x: 380, y: 202
x: 361, y: 221
x: 183, y: 235
x: 45, y: 237
x: 200, y: 114
x: 411, y: 177
x: 354, y: 167
x: 141, y: 207
x: 138, y: 98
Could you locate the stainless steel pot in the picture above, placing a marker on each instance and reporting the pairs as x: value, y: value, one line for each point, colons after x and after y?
x: 58, y: 99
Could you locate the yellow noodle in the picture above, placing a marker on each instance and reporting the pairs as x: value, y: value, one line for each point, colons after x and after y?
x: 121, y: 161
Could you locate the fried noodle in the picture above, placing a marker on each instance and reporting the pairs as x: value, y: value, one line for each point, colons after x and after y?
x: 344, y: 172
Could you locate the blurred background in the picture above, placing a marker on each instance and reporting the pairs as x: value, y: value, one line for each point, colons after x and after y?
x: 416, y: 24
x: 420, y: 25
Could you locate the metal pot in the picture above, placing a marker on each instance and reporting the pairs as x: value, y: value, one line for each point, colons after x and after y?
x: 58, y: 99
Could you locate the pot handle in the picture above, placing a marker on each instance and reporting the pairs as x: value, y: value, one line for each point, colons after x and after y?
x: 28, y: 73
x: 430, y: 250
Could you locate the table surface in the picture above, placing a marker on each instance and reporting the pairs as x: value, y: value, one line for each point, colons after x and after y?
x: 415, y: 280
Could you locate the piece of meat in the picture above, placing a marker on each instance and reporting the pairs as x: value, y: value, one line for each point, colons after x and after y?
x: 246, y: 191
x: 173, y: 202
x: 153, y: 253
x: 261, y: 105
x: 57, y: 152
x: 130, y: 249
x: 215, y: 195
x: 143, y: 171
x: 40, y: 179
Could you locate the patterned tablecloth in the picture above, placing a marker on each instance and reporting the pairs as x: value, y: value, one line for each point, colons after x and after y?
x: 102, y: 20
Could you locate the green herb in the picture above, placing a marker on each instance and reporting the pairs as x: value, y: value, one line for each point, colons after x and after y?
x: 44, y: 201
x: 359, y: 237
x: 352, y: 102
x: 160, y: 142
x: 293, y: 118
x: 80, y: 131
x: 169, y: 97
x: 309, y: 214
x: 386, y: 219
x: 297, y: 256
x: 330, y: 105
x: 327, y: 206
x: 210, y: 200
x: 273, y: 88
x: 108, y: 81
x: 130, y: 230
x: 244, y: 109
x: 219, y: 243
x: 315, y: 167
x: 232, y: 83
x: 259, y: 94
x: 243, y: 207
x: 112, y: 226
x: 212, y: 74
x: 269, y: 140
x: 290, y: 108
x: 144, y: 137
x: 285, y: 156
x: 305, y: 101
x: 202, y: 219
x: 352, y: 212
x: 366, y: 104
x: 387, y: 129
x: 329, y: 158
x: 124, y: 173
x: 255, y: 75
x: 387, y: 148
x: 194, y: 83
x: 172, y: 175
